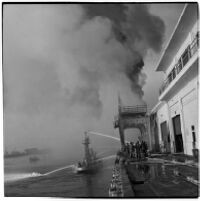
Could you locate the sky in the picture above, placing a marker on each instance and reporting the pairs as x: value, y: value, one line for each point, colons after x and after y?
x: 65, y: 64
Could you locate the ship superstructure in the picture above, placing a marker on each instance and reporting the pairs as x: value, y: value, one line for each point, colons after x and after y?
x: 90, y: 162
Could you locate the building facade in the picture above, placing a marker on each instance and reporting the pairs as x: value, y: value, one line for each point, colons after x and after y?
x: 174, y: 120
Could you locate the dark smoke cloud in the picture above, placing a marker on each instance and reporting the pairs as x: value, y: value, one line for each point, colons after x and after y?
x: 140, y: 32
x: 133, y: 73
x: 143, y: 30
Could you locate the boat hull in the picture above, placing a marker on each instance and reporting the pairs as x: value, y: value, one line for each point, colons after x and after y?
x: 88, y: 169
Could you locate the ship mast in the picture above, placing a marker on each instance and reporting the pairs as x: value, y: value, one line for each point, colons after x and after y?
x: 86, y: 143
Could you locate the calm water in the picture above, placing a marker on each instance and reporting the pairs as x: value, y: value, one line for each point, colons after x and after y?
x: 43, y: 179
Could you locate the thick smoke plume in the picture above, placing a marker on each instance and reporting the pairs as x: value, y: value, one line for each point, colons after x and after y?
x: 59, y: 65
x: 140, y: 32
x: 142, y: 29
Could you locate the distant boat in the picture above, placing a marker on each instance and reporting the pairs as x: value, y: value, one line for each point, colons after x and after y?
x: 14, y: 154
x: 34, y: 159
x: 90, y: 162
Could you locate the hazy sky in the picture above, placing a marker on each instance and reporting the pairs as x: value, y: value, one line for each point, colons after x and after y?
x: 63, y: 66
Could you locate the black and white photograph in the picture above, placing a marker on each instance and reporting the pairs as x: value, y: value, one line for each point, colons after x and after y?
x: 100, y: 99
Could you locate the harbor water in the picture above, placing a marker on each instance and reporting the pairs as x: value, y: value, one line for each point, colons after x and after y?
x: 41, y: 179
x: 45, y: 179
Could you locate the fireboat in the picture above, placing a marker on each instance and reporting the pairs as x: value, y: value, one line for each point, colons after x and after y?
x: 90, y: 162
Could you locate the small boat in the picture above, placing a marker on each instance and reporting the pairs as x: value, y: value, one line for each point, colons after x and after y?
x: 34, y: 159
x: 90, y: 162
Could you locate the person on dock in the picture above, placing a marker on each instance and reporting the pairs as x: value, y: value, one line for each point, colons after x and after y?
x: 127, y: 149
x: 144, y: 148
x: 117, y: 160
x: 132, y: 155
x: 138, y: 150
x: 134, y: 150
x: 79, y: 164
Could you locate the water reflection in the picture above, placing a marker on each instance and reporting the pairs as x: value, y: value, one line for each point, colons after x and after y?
x: 162, y: 180
x: 89, y: 185
x: 163, y: 170
x: 152, y: 171
x: 158, y: 172
x: 145, y: 170
x: 176, y: 172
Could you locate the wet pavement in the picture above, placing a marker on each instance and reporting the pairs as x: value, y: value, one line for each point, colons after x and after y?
x: 128, y: 191
x: 162, y: 180
x: 176, y: 158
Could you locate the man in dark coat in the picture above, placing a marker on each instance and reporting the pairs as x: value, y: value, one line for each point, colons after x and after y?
x: 138, y: 150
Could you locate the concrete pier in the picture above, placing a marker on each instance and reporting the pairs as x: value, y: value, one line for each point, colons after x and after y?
x: 159, y: 178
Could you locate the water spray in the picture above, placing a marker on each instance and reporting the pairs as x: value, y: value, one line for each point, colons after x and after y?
x: 104, y: 135
x: 56, y: 170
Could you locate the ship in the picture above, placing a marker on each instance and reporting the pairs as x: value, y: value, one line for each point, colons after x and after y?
x: 34, y: 159
x: 90, y: 161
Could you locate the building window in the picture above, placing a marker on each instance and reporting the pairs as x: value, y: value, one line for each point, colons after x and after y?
x: 179, y: 66
x: 173, y: 73
x: 170, y: 77
x: 186, y: 56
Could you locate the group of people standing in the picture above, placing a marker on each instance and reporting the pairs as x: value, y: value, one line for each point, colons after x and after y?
x: 136, y: 150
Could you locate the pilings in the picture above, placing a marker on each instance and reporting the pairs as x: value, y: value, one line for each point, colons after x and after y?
x: 116, y: 188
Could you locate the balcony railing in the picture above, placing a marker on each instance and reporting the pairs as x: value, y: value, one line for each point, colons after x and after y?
x: 134, y: 110
x: 127, y: 112
x: 185, y: 57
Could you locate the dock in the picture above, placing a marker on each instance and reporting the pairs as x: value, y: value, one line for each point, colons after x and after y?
x: 157, y: 179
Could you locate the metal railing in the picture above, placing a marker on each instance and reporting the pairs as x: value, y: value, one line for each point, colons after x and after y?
x: 183, y: 60
x: 134, y: 109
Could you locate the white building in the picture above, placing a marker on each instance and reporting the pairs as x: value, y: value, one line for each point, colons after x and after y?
x: 174, y: 120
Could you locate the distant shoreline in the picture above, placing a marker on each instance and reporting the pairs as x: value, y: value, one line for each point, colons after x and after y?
x: 27, y: 152
x: 15, y: 155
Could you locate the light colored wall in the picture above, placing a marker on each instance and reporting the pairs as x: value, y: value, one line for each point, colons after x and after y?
x: 194, y: 30
x: 190, y: 117
x: 162, y: 115
x: 184, y: 103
